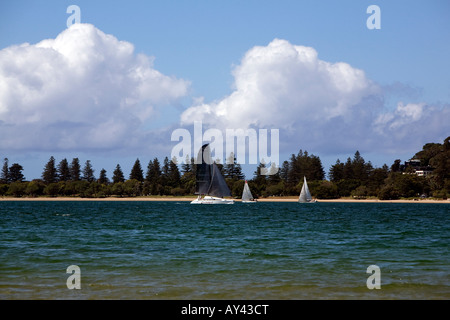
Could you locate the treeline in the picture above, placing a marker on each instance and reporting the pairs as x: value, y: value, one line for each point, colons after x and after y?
x: 355, y: 177
x: 74, y: 179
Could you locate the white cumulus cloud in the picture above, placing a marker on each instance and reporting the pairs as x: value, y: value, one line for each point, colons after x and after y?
x: 82, y: 90
x: 284, y: 85
x: 317, y: 105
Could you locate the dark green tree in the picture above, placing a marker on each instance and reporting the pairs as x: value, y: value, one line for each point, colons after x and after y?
x: 15, y: 173
x: 186, y: 167
x: 148, y: 174
x: 88, y: 172
x: 75, y: 170
x: 429, y: 151
x: 154, y: 173
x: 154, y: 177
x: 336, y: 172
x: 305, y: 165
x: 103, y: 179
x: 376, y: 180
x: 232, y: 169
x: 396, y: 166
x: 274, y: 177
x: 34, y: 188
x: 165, y: 174
x: 166, y: 167
x: 16, y: 189
x: 4, y: 177
x: 50, y: 174
x: 348, y: 170
x: 136, y: 171
x: 284, y: 171
x: 259, y: 181
x: 118, y: 175
x: 63, y: 170
x: 174, y: 174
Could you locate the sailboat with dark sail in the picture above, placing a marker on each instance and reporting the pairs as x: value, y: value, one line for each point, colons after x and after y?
x: 211, y: 187
x: 305, y: 195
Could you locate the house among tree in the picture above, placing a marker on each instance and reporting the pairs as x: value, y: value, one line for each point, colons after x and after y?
x: 414, y: 166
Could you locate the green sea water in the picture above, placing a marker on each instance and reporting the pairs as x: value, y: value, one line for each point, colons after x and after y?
x: 270, y: 250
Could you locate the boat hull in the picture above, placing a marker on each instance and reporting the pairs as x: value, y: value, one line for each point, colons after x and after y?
x: 212, y: 200
x: 311, y: 201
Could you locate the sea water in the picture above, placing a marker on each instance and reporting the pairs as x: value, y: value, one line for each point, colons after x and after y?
x: 267, y: 250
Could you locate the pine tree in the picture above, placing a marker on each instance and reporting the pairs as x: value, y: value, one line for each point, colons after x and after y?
x: 284, y: 171
x: 148, y: 174
x: 136, y: 171
x: 359, y: 167
x: 153, y: 177
x: 295, y: 173
x: 88, y: 172
x: 186, y: 166
x: 103, y: 179
x: 174, y: 173
x: 63, y: 170
x: 336, y: 172
x: 229, y: 166
x: 118, y: 175
x: 348, y: 169
x: 258, y: 178
x: 274, y: 174
x: 75, y: 170
x: 232, y: 169
x: 165, y: 171
x: 4, y: 178
x: 50, y: 175
x: 153, y: 171
x: 15, y: 173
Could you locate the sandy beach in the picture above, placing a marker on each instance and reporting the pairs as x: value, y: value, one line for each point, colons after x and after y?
x: 190, y: 198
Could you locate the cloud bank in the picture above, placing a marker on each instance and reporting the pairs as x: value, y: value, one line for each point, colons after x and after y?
x: 88, y: 91
x: 317, y: 105
x: 83, y: 90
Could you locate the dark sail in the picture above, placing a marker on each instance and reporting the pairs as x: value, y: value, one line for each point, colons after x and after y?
x: 209, y: 179
x: 203, y: 172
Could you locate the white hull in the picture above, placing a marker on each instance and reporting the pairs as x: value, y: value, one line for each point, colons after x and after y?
x: 212, y: 200
x: 249, y: 201
x: 310, y: 201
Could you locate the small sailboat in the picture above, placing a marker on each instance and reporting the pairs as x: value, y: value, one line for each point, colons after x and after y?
x: 247, y: 196
x: 211, y: 187
x: 305, y: 195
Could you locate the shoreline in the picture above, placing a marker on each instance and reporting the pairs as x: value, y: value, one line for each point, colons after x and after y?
x: 188, y: 199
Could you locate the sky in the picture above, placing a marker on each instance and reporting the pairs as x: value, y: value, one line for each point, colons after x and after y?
x: 115, y: 86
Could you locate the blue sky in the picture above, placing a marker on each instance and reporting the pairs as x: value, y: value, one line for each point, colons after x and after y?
x: 205, y: 49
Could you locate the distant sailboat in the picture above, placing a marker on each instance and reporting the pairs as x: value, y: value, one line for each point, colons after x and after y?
x: 305, y: 195
x: 211, y: 186
x: 247, y: 196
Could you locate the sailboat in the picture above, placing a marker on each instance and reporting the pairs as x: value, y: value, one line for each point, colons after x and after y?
x: 211, y: 187
x: 247, y: 195
x: 305, y: 195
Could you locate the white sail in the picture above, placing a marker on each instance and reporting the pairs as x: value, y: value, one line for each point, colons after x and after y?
x: 246, y: 194
x: 305, y: 195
